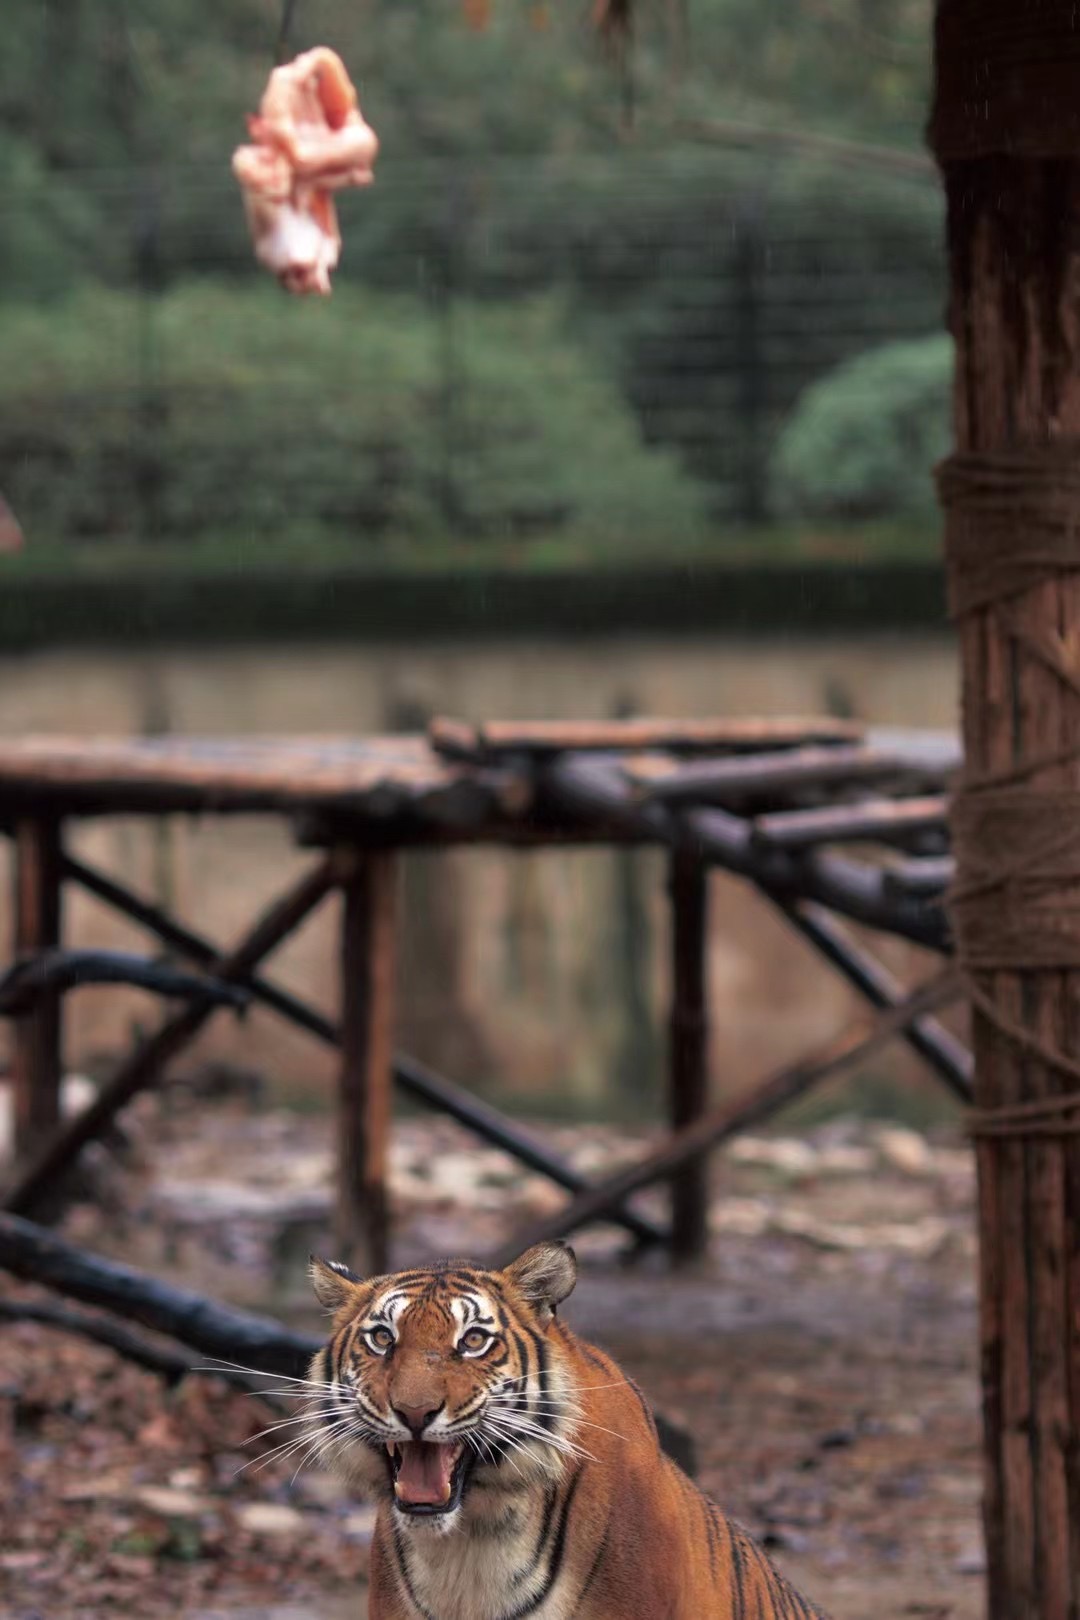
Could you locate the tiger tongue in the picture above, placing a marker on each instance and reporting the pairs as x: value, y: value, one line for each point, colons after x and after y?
x: 425, y: 1473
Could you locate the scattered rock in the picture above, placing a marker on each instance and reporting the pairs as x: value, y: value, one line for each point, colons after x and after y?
x: 172, y: 1503
x: 270, y: 1519
x: 906, y: 1151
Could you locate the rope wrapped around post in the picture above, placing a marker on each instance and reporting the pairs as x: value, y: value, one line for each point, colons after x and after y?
x: 1017, y: 906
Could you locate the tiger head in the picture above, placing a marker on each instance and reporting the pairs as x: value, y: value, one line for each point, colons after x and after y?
x: 441, y: 1388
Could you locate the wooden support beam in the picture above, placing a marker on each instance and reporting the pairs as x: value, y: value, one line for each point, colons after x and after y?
x: 541, y: 738
x: 145, y: 1064
x: 868, y: 820
x: 689, y: 1047
x: 925, y: 878
x: 36, y: 1050
x: 415, y: 1079
x: 855, y: 889
x: 941, y: 1050
x: 777, y: 774
x: 859, y: 1041
x: 368, y: 964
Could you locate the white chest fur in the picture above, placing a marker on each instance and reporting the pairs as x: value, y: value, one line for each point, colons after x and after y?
x: 486, y: 1570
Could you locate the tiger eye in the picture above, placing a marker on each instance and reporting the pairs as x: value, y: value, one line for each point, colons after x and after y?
x: 475, y: 1339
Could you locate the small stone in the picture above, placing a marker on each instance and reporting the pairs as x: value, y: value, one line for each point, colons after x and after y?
x: 271, y: 1519
x: 171, y: 1503
x: 784, y: 1154
x: 905, y: 1151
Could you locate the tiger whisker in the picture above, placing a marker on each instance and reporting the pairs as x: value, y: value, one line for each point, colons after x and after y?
x: 586, y: 1423
x: 325, y: 1447
x: 279, y: 1453
x: 505, y: 1422
x: 216, y: 1365
x: 544, y: 1437
x: 288, y: 1423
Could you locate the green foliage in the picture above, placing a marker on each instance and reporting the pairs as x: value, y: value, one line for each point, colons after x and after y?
x: 508, y: 169
x: 862, y: 441
x: 365, y: 414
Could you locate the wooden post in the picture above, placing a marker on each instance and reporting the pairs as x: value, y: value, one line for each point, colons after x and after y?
x: 1006, y: 131
x: 36, y: 1059
x: 145, y: 1064
x: 368, y: 950
x: 688, y: 884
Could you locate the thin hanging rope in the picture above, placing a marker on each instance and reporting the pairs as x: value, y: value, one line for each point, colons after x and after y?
x: 281, y: 49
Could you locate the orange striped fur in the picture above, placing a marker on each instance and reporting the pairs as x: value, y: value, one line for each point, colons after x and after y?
x: 525, y: 1478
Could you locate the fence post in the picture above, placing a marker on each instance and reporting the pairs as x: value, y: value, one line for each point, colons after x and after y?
x: 368, y: 960
x: 688, y: 884
x: 36, y: 1058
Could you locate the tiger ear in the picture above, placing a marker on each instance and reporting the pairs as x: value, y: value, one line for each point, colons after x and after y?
x: 334, y: 1284
x: 546, y: 1275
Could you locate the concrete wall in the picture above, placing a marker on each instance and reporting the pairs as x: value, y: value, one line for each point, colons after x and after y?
x: 531, y: 974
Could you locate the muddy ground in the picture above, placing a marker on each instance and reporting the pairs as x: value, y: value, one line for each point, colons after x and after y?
x: 822, y: 1359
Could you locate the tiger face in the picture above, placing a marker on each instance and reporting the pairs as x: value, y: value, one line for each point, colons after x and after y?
x: 440, y: 1390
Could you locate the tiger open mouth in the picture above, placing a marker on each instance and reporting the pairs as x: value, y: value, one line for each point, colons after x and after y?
x: 428, y: 1476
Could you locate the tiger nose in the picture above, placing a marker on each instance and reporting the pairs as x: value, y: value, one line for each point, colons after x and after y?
x: 415, y: 1418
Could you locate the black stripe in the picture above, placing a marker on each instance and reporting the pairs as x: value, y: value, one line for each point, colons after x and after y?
x: 547, y: 1415
x: 595, y: 1570
x: 645, y: 1407
x: 399, y: 1552
x: 738, y: 1608
x: 710, y: 1534
x: 557, y: 1553
x: 551, y: 1496
x: 591, y: 1356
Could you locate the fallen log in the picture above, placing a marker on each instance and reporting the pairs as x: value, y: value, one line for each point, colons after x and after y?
x: 38, y: 1255
x: 168, y: 1364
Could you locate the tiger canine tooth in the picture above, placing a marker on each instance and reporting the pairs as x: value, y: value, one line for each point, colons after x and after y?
x: 391, y: 1446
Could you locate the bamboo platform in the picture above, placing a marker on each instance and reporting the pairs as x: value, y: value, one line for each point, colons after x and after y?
x: 833, y: 823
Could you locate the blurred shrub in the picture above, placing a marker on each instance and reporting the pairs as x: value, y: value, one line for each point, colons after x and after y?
x: 222, y: 407
x: 49, y: 226
x: 861, y: 443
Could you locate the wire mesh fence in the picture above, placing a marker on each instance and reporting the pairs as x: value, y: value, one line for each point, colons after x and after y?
x: 635, y: 347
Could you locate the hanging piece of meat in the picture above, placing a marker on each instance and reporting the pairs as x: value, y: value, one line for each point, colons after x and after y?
x: 310, y: 141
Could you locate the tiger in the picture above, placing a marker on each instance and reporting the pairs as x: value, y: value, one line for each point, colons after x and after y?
x: 516, y: 1469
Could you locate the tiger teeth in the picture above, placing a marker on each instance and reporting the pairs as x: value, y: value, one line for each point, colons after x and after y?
x: 391, y: 1446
